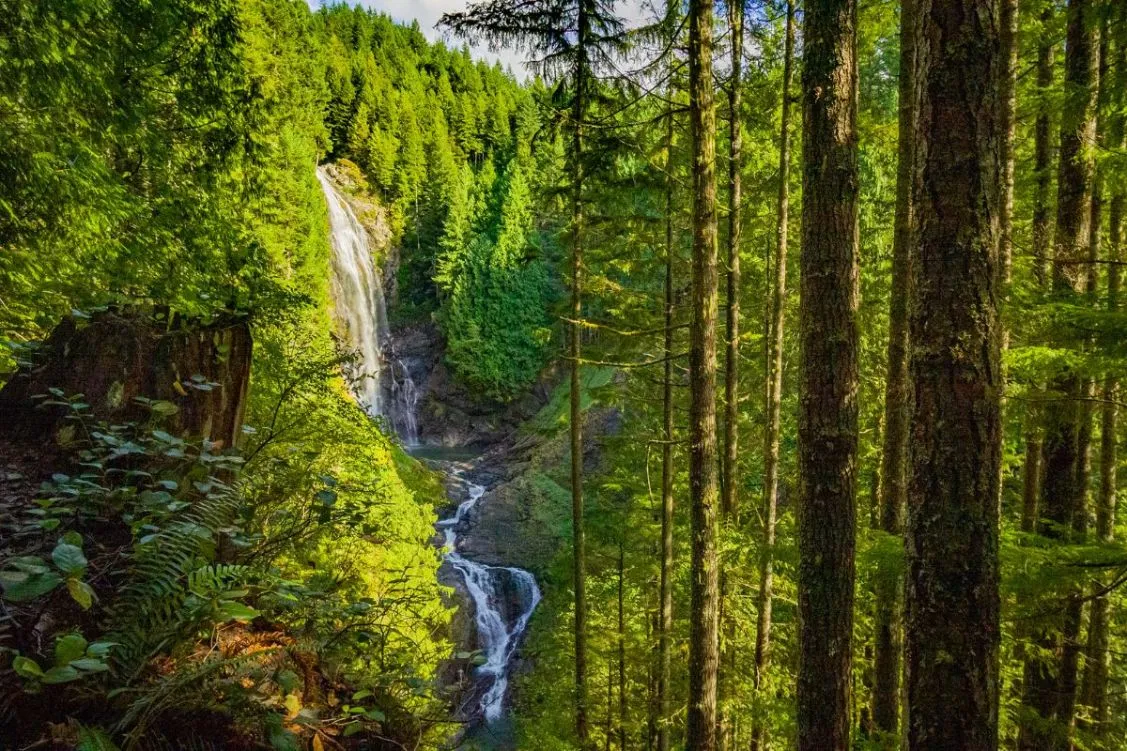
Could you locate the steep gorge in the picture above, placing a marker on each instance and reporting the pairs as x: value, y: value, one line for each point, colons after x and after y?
x: 498, y: 600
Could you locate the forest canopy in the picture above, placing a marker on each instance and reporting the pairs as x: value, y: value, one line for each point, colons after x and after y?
x: 794, y: 330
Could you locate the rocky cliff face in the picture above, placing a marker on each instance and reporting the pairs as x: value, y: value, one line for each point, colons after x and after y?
x: 450, y: 414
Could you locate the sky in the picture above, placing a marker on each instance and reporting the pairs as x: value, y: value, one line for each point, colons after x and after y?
x: 427, y: 13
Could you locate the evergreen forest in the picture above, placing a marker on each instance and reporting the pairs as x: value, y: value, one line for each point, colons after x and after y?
x: 737, y: 374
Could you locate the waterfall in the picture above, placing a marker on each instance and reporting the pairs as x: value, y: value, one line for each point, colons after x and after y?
x: 486, y: 586
x: 361, y: 314
x: 503, y: 597
x: 406, y: 398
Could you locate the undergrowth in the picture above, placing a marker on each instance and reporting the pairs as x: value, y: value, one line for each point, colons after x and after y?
x: 162, y: 593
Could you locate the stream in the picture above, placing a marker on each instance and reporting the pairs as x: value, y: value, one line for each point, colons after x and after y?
x: 498, y: 631
x: 503, y: 597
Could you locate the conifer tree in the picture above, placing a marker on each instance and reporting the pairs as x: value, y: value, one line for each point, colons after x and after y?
x: 827, y: 428
x: 728, y: 496
x: 704, y: 613
x: 953, y: 603
x: 572, y: 40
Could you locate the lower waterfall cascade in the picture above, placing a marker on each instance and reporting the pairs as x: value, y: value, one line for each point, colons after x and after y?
x: 499, y: 639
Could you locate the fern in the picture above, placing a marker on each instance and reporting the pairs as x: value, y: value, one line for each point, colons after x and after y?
x: 172, y: 690
x: 168, y: 569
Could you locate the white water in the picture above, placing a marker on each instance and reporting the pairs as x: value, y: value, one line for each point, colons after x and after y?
x: 485, y: 585
x: 406, y: 397
x: 362, y: 314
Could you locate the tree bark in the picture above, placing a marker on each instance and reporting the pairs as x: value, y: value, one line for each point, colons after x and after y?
x: 774, y: 386
x: 1008, y: 25
x: 1050, y: 693
x: 728, y: 494
x: 665, y: 616
x: 893, y: 498
x: 731, y: 365
x: 1031, y: 475
x: 952, y: 598
x: 579, y: 572
x: 703, y: 638
x: 1007, y: 120
x: 1043, y: 152
x: 827, y: 426
x: 1096, y: 658
x: 621, y: 643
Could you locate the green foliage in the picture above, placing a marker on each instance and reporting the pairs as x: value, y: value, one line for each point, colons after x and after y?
x: 432, y: 130
x: 553, y: 416
x: 495, y: 301
x: 74, y: 658
x: 165, y: 151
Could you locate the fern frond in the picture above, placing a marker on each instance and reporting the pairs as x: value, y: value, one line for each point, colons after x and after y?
x: 171, y: 692
x: 167, y: 567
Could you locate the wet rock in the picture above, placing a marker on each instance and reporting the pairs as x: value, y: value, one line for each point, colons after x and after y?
x: 451, y: 414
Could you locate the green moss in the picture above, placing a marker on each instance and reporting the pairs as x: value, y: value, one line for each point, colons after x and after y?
x: 425, y: 483
x: 555, y: 414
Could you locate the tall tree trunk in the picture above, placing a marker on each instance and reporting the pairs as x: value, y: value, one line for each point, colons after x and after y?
x: 1007, y: 123
x: 703, y: 638
x: 1043, y: 152
x: 665, y: 617
x: 1008, y: 28
x: 653, y: 669
x: 1071, y: 639
x: 1031, y: 475
x: 894, y: 494
x: 728, y: 495
x: 827, y: 425
x: 731, y: 365
x: 1050, y: 692
x: 1042, y: 254
x: 608, y: 732
x: 621, y: 643
x: 579, y: 573
x: 774, y: 386
x: 1096, y: 666
x: 953, y: 604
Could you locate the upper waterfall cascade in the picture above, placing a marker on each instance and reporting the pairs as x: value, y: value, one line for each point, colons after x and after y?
x: 361, y: 312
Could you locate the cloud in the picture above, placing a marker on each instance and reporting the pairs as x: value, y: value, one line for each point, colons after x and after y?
x: 427, y: 13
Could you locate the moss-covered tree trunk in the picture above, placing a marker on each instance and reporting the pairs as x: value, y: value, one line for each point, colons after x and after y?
x: 728, y: 495
x: 774, y: 386
x: 704, y: 496
x: 827, y: 425
x: 200, y: 370
x: 953, y: 604
x: 1050, y: 690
